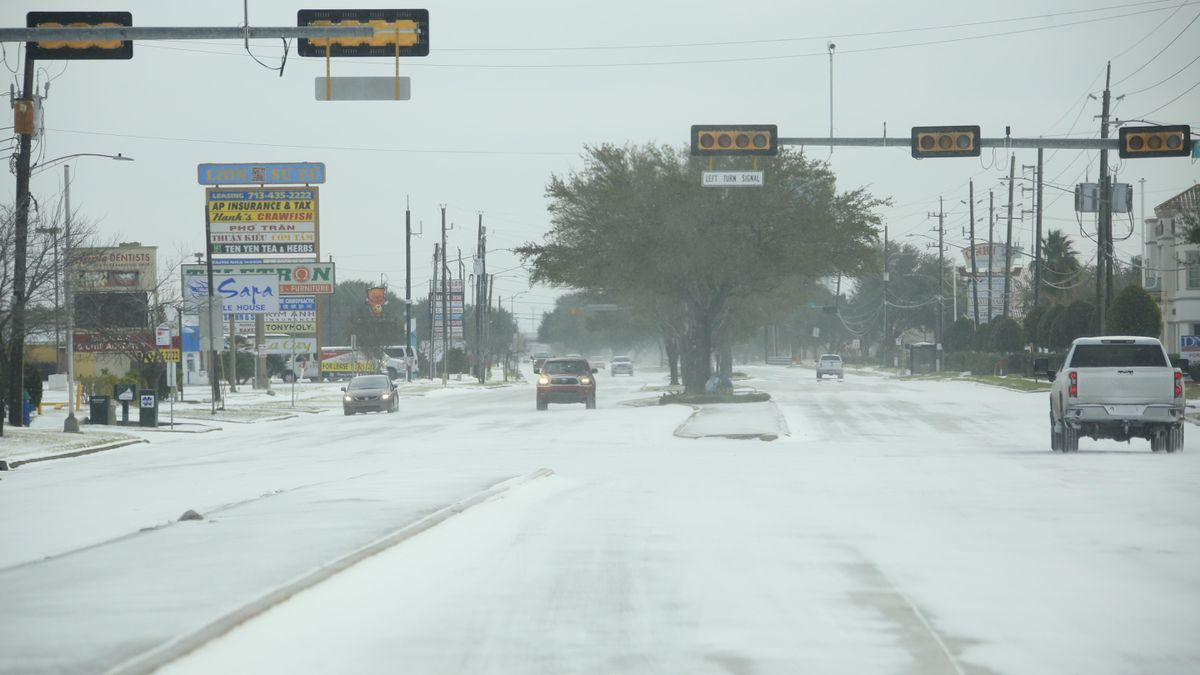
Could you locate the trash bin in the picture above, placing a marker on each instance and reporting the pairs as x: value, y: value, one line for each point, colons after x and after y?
x: 101, y: 410
x: 148, y: 408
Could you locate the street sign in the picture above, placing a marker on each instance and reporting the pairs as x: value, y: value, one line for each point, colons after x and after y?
x: 363, y: 88
x: 162, y: 336
x: 278, y: 173
x: 732, y: 179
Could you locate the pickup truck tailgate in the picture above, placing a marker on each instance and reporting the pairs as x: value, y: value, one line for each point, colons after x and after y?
x: 1125, y: 385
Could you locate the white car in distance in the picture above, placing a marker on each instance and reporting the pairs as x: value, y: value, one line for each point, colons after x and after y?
x: 830, y: 364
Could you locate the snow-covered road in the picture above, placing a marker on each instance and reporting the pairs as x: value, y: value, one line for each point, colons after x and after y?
x: 901, y: 527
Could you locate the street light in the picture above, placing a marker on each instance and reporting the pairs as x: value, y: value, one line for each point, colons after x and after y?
x: 71, y: 424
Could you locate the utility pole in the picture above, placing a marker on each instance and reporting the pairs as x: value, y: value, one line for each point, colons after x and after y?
x: 887, y: 338
x: 16, y: 357
x: 1037, y: 237
x: 445, y: 306
x: 1012, y: 174
x: 1104, y: 253
x: 974, y: 268
x: 408, y: 292
x: 991, y: 252
x: 941, y: 329
x: 480, y: 283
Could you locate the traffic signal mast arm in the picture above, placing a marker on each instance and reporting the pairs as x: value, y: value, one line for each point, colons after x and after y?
x: 105, y: 33
x: 904, y: 142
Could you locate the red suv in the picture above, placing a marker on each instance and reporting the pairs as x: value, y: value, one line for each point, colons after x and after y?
x: 566, y: 381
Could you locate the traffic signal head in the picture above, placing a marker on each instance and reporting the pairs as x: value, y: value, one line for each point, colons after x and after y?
x: 1170, y: 141
x: 960, y: 141
x: 735, y: 139
x: 79, y: 49
x: 413, y: 41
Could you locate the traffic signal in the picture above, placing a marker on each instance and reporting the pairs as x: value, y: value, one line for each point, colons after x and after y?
x: 735, y: 139
x: 79, y: 49
x: 1168, y: 141
x: 382, y: 44
x: 960, y: 141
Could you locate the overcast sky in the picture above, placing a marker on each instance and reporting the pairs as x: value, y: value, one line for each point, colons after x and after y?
x: 512, y: 92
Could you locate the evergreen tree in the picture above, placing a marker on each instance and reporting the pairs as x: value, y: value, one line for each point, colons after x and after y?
x: 1133, y: 312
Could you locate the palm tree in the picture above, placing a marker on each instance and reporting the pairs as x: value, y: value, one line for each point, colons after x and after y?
x: 1060, y: 266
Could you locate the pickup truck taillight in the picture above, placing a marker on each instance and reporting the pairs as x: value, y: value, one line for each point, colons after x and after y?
x: 1073, y: 389
x: 1178, y: 384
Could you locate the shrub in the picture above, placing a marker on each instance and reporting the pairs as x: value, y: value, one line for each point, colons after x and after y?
x: 1049, y: 326
x: 1133, y: 312
x: 1031, y: 324
x: 1006, y: 336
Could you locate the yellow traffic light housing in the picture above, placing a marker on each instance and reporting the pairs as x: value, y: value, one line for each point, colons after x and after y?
x: 735, y: 139
x: 1166, y: 141
x: 398, y: 32
x: 959, y: 141
x: 80, y: 49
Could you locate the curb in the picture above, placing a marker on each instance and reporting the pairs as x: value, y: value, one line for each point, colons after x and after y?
x: 157, y: 657
x: 66, y: 455
x: 762, y: 436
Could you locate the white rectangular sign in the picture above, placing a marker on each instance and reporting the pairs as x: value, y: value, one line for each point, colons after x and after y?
x: 732, y: 179
x: 239, y: 293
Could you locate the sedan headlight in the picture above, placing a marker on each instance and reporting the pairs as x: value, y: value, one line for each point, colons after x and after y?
x: 347, y: 398
x: 386, y: 395
x: 543, y: 380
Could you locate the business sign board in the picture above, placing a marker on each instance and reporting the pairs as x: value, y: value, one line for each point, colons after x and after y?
x: 238, y: 293
x: 268, y: 248
x: 290, y: 345
x: 126, y: 342
x: 295, y: 278
x: 263, y: 222
x: 117, y: 268
x: 162, y: 355
x: 266, y: 173
x: 1189, y: 347
x: 991, y: 256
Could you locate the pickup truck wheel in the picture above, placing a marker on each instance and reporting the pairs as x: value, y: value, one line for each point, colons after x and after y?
x: 1070, y: 438
x: 1175, y: 438
x: 541, y: 404
x: 1055, y: 440
x: 590, y: 403
x: 1157, y: 442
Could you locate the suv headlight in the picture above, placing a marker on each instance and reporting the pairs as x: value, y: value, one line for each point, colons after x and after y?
x: 543, y: 380
x: 347, y: 397
x: 585, y: 380
x: 386, y: 395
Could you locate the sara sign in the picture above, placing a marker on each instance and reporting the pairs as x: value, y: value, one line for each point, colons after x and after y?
x: 295, y: 278
x: 238, y: 293
x: 1189, y: 347
x: 286, y: 173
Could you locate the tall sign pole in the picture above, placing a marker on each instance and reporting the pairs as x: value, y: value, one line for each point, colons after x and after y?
x: 214, y: 324
x: 408, y: 291
x: 974, y: 268
x: 71, y: 424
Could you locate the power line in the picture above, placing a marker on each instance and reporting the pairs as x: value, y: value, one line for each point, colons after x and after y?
x: 1166, y: 79
x: 209, y: 141
x: 743, y: 59
x: 1185, y: 93
x: 1159, y: 53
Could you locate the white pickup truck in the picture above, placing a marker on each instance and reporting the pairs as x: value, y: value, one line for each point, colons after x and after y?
x: 1118, y: 388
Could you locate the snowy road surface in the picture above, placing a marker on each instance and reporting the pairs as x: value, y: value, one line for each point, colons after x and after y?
x: 902, y: 527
